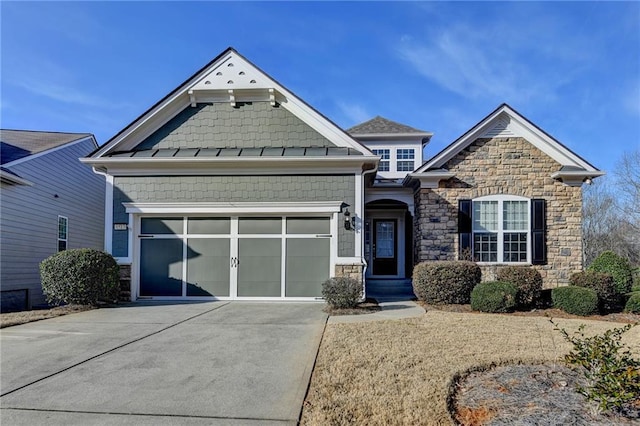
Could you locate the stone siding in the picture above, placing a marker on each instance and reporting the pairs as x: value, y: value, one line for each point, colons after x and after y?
x: 125, y: 283
x: 510, y: 166
x: 353, y: 270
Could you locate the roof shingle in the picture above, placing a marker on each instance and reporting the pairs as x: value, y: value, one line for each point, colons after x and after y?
x: 382, y: 126
x: 17, y: 144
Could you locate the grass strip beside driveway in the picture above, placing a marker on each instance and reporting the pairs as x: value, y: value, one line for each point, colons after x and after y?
x: 398, y: 372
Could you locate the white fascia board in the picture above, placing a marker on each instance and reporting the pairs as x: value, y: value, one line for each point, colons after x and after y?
x: 310, y: 207
x: 147, y: 125
x: 231, y: 165
x: 391, y: 136
x: 49, y: 151
x: 575, y: 177
x: 523, y: 128
x: 429, y: 179
x: 320, y: 124
x: 11, y: 178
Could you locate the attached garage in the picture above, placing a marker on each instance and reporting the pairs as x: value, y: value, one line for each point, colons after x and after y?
x: 244, y: 256
x: 231, y: 188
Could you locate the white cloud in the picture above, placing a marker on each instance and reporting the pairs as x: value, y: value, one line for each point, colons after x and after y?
x: 354, y: 113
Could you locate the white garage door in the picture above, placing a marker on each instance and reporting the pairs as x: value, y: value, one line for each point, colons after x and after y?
x: 234, y: 257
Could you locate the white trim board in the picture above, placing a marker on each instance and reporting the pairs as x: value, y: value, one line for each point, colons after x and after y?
x: 235, y: 207
x: 519, y: 126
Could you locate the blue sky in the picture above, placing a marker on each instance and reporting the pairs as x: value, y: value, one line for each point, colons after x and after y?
x: 573, y: 68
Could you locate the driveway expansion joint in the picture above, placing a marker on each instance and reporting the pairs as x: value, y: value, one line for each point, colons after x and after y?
x: 111, y: 350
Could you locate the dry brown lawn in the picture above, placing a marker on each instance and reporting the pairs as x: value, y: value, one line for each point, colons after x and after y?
x: 399, y: 372
x: 17, y: 318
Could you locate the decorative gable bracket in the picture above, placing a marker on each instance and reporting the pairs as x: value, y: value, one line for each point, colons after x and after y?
x: 576, y: 177
x: 430, y: 179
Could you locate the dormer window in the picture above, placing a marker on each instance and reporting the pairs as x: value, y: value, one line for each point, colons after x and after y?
x: 385, y: 154
x: 405, y: 159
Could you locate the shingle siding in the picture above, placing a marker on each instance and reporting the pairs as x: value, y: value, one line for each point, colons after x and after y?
x: 219, y: 125
x: 29, y: 214
x: 231, y: 189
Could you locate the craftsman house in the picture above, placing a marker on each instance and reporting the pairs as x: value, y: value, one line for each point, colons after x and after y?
x: 232, y: 187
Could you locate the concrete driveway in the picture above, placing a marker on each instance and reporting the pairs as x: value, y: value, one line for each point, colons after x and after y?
x: 221, y: 363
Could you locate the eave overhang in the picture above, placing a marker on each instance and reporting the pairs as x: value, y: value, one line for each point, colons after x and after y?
x: 10, y: 178
x: 392, y: 136
x: 429, y: 179
x: 230, y: 165
x: 576, y: 177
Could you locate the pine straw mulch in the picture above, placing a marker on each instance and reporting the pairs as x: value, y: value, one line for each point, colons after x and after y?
x: 622, y: 317
x: 369, y: 306
x: 541, y: 394
x: 16, y: 318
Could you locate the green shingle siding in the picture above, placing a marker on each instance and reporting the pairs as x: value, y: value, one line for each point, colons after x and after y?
x: 230, y: 189
x: 219, y: 125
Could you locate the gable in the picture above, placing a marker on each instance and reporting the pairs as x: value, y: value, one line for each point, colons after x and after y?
x: 247, y: 125
x: 505, y: 122
x: 229, y: 81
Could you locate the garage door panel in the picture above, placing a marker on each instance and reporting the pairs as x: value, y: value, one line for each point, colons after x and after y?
x: 161, y: 267
x: 208, y: 267
x: 307, y: 266
x: 259, y: 268
x: 209, y: 225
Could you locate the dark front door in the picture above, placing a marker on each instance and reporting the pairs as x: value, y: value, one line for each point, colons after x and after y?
x: 385, y: 247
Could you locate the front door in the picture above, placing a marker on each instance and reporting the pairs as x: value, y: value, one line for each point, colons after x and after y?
x: 385, y: 247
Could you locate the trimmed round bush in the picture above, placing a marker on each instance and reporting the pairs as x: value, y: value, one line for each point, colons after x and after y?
x: 575, y: 300
x: 527, y: 280
x: 633, y: 304
x: 445, y: 282
x: 80, y: 276
x: 342, y: 292
x: 610, y: 263
x: 602, y: 284
x: 494, y: 296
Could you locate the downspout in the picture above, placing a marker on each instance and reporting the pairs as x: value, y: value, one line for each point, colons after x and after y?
x: 362, y: 209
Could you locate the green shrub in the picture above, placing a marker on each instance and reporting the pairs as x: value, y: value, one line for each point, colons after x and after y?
x: 527, y: 280
x: 494, y: 296
x: 575, y: 300
x: 616, y: 266
x: 342, y: 292
x: 604, y: 286
x: 612, y: 373
x: 80, y: 276
x: 633, y: 303
x: 443, y: 282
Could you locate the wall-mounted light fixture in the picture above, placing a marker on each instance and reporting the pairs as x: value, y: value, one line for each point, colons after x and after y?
x: 349, y: 221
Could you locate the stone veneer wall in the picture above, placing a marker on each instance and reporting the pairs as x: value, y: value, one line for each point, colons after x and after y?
x: 353, y: 270
x: 502, y: 166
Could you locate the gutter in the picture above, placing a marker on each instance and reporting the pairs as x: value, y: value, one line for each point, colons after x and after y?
x: 364, y: 261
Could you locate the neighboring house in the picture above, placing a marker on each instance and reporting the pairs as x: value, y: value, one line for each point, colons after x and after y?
x: 232, y: 187
x: 50, y: 201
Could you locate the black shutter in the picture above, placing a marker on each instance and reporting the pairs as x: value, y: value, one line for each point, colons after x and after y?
x: 538, y: 231
x: 464, y: 225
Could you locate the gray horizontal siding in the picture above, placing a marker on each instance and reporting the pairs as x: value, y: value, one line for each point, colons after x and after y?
x: 230, y: 189
x: 29, y: 214
x: 219, y: 125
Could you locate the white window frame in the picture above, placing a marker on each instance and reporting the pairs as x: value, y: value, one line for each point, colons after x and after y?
x: 500, y: 231
x: 66, y: 233
x: 385, y: 155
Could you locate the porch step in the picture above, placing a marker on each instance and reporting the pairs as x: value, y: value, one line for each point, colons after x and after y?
x: 390, y: 289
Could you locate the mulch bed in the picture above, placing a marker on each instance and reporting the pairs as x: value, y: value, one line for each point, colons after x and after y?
x: 549, y: 312
x: 369, y: 306
x: 529, y: 395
